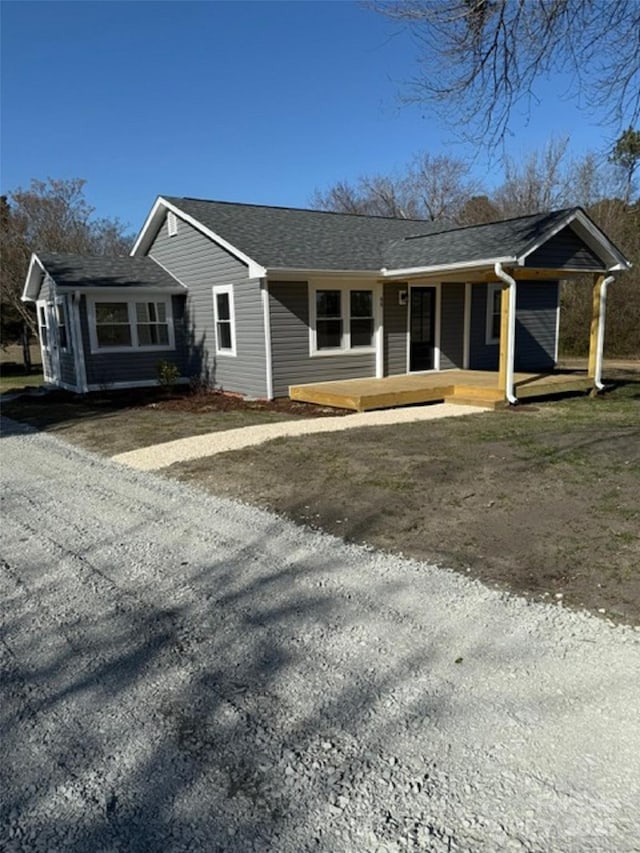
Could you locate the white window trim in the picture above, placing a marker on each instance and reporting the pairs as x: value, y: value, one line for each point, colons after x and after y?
x: 218, y: 289
x: 345, y: 289
x: 489, y: 338
x: 62, y: 300
x: 43, y: 322
x: 172, y: 224
x: 130, y: 302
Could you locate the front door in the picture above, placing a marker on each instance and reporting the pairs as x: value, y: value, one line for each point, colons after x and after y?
x: 422, y: 320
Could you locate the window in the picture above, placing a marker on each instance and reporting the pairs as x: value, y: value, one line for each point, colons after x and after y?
x: 129, y: 324
x: 113, y: 328
x: 342, y: 319
x: 172, y: 224
x: 494, y: 301
x: 361, y: 318
x: 328, y: 319
x: 224, y: 316
x: 63, y: 331
x: 42, y: 326
x: 152, y: 326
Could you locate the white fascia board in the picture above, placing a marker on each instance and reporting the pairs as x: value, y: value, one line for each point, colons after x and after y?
x: 592, y: 236
x: 153, y: 220
x: 33, y: 280
x: 446, y: 268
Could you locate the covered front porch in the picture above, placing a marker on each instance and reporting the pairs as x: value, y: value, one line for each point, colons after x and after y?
x: 470, y: 387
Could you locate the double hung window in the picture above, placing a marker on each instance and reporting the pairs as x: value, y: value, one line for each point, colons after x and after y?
x: 224, y: 316
x: 61, y: 320
x: 42, y: 325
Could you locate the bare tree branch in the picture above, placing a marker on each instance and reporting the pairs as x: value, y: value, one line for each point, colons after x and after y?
x: 481, y: 59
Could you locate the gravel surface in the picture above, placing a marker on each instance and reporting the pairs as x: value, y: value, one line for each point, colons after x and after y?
x: 185, y: 673
x: 195, y: 447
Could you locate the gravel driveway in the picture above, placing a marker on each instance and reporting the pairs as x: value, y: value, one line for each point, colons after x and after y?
x: 186, y: 673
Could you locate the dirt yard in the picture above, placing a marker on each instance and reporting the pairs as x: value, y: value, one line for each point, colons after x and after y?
x: 543, y: 500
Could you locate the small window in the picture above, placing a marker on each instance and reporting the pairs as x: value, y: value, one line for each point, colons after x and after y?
x: 224, y: 319
x: 361, y: 318
x: 42, y: 326
x: 63, y: 331
x: 172, y: 224
x: 151, y: 324
x: 494, y: 302
x: 328, y: 319
x: 112, y: 325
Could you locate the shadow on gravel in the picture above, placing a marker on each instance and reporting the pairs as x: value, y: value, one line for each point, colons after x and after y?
x: 259, y: 711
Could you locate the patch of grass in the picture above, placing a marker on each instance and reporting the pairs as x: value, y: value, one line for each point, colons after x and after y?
x: 13, y: 382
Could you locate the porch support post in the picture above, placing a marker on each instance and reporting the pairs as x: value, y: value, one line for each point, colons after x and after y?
x: 595, y: 322
x: 504, y: 339
x: 596, y: 337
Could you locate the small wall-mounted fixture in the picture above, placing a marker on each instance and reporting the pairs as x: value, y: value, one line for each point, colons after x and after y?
x: 402, y: 297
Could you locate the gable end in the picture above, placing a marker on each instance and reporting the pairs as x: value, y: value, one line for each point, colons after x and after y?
x: 565, y: 250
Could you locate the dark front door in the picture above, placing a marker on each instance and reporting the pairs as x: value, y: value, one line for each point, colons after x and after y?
x: 423, y: 328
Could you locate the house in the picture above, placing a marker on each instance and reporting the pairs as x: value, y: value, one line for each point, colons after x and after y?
x: 255, y: 299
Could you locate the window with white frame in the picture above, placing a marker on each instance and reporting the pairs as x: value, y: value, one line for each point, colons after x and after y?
x: 494, y: 302
x: 119, y: 324
x: 151, y: 324
x: 361, y: 318
x: 64, y: 340
x: 42, y: 325
x: 224, y: 317
x: 342, y: 319
x: 329, y: 323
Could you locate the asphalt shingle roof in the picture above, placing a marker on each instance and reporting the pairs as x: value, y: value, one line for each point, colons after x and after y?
x: 290, y: 238
x: 104, y: 271
x: 509, y: 238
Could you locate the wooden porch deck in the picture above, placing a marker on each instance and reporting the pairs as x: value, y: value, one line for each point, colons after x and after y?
x: 472, y: 387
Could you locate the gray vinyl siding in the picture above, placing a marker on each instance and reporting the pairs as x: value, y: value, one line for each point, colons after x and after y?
x: 395, y: 330
x: 199, y: 264
x: 452, y: 326
x: 564, y: 249
x: 536, y: 307
x: 105, y: 369
x: 536, y: 325
x: 67, y: 357
x: 68, y: 368
x: 482, y: 356
x: 291, y: 362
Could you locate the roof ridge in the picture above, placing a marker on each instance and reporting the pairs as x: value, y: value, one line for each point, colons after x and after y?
x: 556, y: 213
x: 299, y: 209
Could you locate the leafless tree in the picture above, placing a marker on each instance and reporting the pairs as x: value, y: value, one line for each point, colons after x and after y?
x: 48, y: 216
x: 481, y: 59
x: 431, y: 187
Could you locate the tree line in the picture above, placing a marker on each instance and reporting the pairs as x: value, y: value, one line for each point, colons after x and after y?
x: 441, y: 188
x: 55, y: 216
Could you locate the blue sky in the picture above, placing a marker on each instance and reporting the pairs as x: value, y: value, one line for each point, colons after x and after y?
x: 259, y: 102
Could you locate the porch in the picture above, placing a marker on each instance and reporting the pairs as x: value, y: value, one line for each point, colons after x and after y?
x: 471, y: 387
